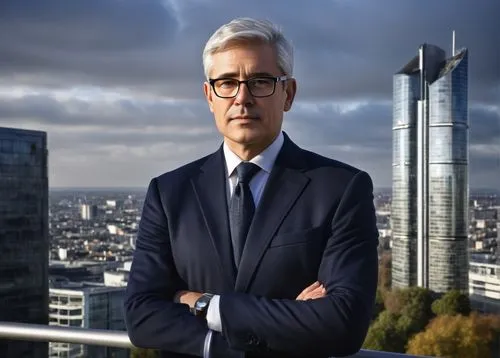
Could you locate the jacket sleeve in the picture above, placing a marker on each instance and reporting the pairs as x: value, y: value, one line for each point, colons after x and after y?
x: 335, y: 325
x: 153, y: 320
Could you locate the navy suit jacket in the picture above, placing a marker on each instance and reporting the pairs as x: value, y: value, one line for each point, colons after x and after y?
x: 315, y: 221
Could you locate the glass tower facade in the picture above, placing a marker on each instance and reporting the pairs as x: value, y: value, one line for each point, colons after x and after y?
x: 404, y: 178
x: 24, y: 242
x: 448, y: 177
x: 430, y: 177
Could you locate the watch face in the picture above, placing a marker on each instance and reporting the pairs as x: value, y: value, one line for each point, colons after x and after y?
x: 202, y: 302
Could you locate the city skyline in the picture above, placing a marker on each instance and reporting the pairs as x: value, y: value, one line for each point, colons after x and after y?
x: 122, y: 103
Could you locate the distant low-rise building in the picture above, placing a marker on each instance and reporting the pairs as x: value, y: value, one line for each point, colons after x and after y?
x: 485, y: 214
x: 484, y: 287
x: 88, y: 306
x: 118, y: 277
x: 88, y: 212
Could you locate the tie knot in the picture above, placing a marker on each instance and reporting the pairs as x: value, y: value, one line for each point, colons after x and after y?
x: 246, y: 171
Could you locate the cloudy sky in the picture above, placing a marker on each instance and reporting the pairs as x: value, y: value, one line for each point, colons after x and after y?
x: 117, y: 84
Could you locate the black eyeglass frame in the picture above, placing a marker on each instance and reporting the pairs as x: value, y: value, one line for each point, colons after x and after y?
x: 276, y: 80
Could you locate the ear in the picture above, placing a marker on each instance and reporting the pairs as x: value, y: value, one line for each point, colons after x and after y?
x: 208, y: 95
x: 290, y: 91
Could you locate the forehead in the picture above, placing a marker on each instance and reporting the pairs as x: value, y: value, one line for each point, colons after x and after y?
x: 245, y: 59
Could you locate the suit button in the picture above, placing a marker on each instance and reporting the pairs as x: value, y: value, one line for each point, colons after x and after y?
x: 252, y: 340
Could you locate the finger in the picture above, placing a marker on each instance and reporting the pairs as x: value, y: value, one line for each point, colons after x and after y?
x: 315, y: 295
x: 319, y: 292
x: 312, y: 287
x: 303, y: 295
x: 318, y: 289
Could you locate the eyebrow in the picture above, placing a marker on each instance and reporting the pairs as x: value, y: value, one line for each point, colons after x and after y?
x: 252, y: 75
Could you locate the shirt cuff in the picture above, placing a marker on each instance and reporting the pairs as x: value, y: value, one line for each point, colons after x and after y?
x: 213, y: 314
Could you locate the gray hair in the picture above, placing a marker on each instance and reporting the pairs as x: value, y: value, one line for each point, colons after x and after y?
x: 247, y: 29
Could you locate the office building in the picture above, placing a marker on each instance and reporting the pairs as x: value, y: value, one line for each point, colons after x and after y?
x: 430, y: 175
x: 24, y: 242
x: 88, y: 212
x: 86, y: 305
x: 484, y: 287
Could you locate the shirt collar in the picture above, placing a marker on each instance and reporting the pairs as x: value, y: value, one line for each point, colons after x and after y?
x: 264, y: 160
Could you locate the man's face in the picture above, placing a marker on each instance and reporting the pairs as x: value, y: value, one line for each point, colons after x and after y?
x: 245, y: 119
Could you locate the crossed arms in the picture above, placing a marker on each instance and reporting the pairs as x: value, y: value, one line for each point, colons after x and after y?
x: 311, y: 292
x: 334, y: 323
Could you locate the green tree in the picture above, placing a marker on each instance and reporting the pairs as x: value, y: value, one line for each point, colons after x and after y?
x: 414, y: 304
x: 407, y: 312
x: 385, y: 334
x: 452, y: 303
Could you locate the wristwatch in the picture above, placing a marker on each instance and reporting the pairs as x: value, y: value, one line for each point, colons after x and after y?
x: 201, y: 305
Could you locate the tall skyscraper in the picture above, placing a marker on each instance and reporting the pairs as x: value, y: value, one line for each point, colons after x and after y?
x: 24, y: 242
x: 430, y: 171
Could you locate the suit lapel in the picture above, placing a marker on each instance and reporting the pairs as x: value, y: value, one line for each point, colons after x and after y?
x: 210, y: 189
x: 285, y: 184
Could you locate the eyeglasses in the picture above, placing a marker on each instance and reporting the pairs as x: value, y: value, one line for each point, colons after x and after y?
x: 258, y: 86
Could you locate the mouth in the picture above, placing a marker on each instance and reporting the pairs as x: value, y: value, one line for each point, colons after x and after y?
x: 245, y: 118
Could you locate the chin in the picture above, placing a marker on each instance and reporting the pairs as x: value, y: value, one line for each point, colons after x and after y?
x: 246, y: 135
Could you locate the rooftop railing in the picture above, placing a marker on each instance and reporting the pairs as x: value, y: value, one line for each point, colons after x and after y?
x: 119, y: 339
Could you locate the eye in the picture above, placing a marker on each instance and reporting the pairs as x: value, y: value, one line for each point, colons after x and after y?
x: 226, y: 83
x: 262, y: 82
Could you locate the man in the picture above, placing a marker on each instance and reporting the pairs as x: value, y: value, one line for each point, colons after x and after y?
x: 227, y: 244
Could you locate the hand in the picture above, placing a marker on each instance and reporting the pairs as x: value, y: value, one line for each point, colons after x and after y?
x: 316, y: 290
x: 187, y: 297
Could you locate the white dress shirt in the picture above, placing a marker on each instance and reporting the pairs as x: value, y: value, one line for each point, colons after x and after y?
x: 265, y: 161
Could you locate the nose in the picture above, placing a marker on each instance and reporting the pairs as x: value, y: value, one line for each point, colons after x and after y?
x: 244, y: 97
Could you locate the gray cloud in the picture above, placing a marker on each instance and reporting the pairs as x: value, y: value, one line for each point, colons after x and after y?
x: 94, y: 25
x: 484, y: 126
x: 367, y: 126
x: 343, y: 49
x: 127, y: 113
x: 150, y: 52
x: 159, y: 136
x: 366, y: 42
x: 484, y: 169
x: 99, y: 42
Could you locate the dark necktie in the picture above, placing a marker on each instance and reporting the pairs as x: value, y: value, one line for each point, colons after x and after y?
x: 241, y: 208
